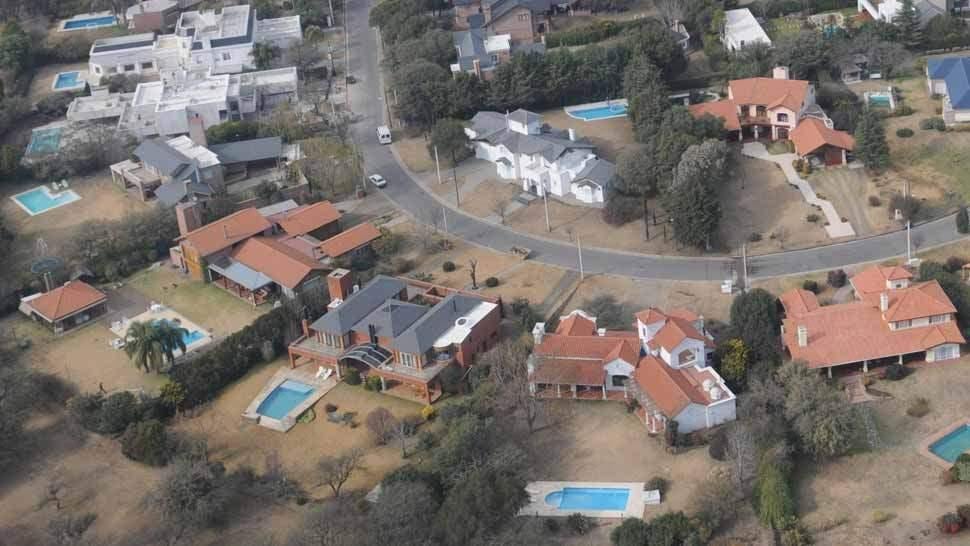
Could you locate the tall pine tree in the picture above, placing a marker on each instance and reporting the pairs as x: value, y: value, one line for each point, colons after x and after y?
x: 907, y: 20
x: 692, y: 197
x: 870, y: 141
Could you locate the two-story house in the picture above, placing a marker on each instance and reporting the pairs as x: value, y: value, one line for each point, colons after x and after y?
x: 663, y: 366
x: 524, y: 20
x: 892, y: 319
x: 479, y: 53
x: 403, y: 331
x: 544, y: 160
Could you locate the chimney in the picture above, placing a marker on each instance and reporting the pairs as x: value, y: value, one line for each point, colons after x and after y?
x: 781, y: 73
x: 225, y: 231
x: 802, y: 336
x: 305, y: 324
x: 700, y: 324
x: 189, y: 217
x: 538, y: 331
x: 197, y: 131
x: 601, y: 332
x: 477, y: 67
x: 572, y: 134
x: 339, y: 284
x: 884, y: 302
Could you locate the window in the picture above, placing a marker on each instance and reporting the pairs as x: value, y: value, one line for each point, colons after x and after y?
x: 147, y: 66
x: 936, y: 319
x: 409, y: 360
x: 945, y: 352
x: 129, y: 67
x: 226, y: 56
x: 685, y: 357
x: 903, y: 324
x: 782, y: 118
x: 97, y: 69
x: 332, y: 340
x: 523, y: 17
x: 618, y: 380
x: 495, y: 59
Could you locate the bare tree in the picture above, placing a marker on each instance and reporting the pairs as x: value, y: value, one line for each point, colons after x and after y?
x: 498, y: 208
x: 381, y: 424
x: 335, y: 471
x: 670, y: 10
x: 508, y: 368
x: 781, y: 235
x: 472, y: 270
x: 742, y: 451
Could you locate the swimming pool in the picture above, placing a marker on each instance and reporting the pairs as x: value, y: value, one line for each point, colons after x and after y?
x: 600, y: 112
x: 40, y: 200
x: 589, y: 498
x: 284, y: 398
x: 89, y: 22
x: 44, y: 141
x: 879, y: 100
x: 953, y: 444
x: 189, y: 336
x: 68, y: 80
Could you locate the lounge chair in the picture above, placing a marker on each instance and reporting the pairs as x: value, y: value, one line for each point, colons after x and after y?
x: 335, y: 417
x: 651, y: 497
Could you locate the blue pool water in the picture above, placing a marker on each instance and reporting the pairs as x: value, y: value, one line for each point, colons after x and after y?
x: 953, y: 444
x: 91, y: 22
x: 589, y: 498
x: 67, y: 80
x: 44, y: 141
x: 189, y: 336
x: 879, y: 100
x: 600, y: 112
x: 40, y: 199
x: 286, y: 396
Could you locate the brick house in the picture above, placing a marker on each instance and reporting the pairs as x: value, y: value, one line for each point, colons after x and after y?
x: 403, y: 331
x: 662, y: 366
x: 892, y: 319
x: 73, y: 304
x: 524, y: 20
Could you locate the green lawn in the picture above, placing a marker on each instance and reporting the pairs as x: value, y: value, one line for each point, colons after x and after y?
x: 781, y: 27
x: 951, y: 162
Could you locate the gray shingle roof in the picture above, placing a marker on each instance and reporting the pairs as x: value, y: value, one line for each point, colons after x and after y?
x: 243, y: 151
x: 171, y: 193
x: 161, y: 156
x: 525, y: 117
x: 357, y: 306
x: 391, y: 319
x: 422, y: 334
x: 471, y: 45
x: 492, y: 128
x: 598, y: 171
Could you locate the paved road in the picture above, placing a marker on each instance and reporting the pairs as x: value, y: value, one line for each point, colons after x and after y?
x: 368, y: 105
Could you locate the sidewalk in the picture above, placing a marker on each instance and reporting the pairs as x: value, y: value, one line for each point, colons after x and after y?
x: 836, y: 227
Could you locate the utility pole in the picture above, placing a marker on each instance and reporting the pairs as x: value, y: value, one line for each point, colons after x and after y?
x: 646, y: 218
x: 454, y: 176
x: 744, y: 267
x: 579, y: 248
x: 390, y: 120
x: 437, y: 166
x: 909, y: 243
x: 545, y: 205
x: 444, y: 217
x: 347, y: 54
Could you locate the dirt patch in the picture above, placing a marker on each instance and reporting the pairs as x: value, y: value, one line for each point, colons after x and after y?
x: 488, y: 196
x: 414, y: 153
x: 42, y: 84
x: 528, y: 280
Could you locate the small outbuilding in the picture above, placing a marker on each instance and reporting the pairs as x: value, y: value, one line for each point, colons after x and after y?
x: 66, y: 307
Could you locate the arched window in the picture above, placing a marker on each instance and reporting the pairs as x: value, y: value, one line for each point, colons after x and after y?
x: 686, y: 356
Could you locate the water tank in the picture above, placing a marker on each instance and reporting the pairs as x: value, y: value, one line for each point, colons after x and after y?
x: 715, y: 393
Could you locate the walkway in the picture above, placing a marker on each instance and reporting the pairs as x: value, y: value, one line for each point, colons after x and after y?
x: 836, y: 227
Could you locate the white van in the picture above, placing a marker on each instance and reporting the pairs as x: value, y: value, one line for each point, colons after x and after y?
x: 383, y: 134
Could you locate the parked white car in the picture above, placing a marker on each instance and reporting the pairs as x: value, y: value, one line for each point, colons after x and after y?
x: 377, y: 180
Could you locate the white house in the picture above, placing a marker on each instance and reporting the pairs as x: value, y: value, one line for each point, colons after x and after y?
x: 543, y: 159
x: 742, y: 29
x: 950, y: 77
x: 217, y: 41
x: 886, y: 10
x: 663, y: 366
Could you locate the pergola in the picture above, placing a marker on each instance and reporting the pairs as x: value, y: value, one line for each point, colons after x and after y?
x: 241, y: 280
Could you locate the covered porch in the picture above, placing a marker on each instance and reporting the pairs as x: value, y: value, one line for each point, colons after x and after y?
x: 241, y: 281
x: 135, y: 178
x: 416, y: 384
x: 579, y: 392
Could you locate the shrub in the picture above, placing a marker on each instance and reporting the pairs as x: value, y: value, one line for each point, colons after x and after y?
x: 907, y: 206
x: 882, y: 517
x: 551, y: 524
x: 961, y: 468
x: 410, y: 424
x: 950, y: 523
x: 754, y: 237
x: 895, y: 372
x: 810, y: 285
x: 963, y: 220
x: 403, y: 265
x: 452, y: 380
x: 427, y: 441
x: 657, y: 483
x: 904, y: 132
x: 491, y: 282
x: 373, y: 383
x: 837, y: 278
x: 948, y: 477
x: 954, y: 264
x: 448, y: 266
x: 381, y: 424
x: 670, y: 434
x: 964, y: 512
x: 928, y: 124
x: 717, y: 449
x: 578, y: 523
x: 875, y: 201
x: 118, y: 411
x: 812, y: 217
x: 795, y: 535
x: 428, y: 413
x: 146, y: 442
x: 352, y: 377
x: 330, y: 408
x: 918, y: 407
x: 85, y: 410
x: 903, y: 110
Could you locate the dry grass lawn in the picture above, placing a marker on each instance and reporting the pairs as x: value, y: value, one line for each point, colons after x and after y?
x: 42, y: 84
x: 487, y: 197
x: 414, y: 152
x: 610, y: 136
x: 529, y: 280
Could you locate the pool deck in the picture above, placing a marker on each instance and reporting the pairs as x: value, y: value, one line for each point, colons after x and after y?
x: 589, y: 106
x: 120, y: 327
x: 81, y: 81
x: 320, y: 388
x: 924, y: 447
x: 85, y: 16
x: 32, y: 213
x: 537, y: 500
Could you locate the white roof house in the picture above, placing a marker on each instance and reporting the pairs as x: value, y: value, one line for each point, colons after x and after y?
x: 886, y: 10
x: 220, y: 42
x: 741, y: 29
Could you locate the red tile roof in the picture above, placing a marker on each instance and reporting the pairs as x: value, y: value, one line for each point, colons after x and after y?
x: 286, y: 266
x: 569, y: 371
x: 769, y: 92
x: 811, y: 134
x: 66, y: 300
x: 349, y: 240
x: 650, y: 315
x: 303, y: 220
x: 798, y: 302
x: 674, y: 332
x: 725, y: 109
x: 917, y: 301
x: 576, y: 325
x: 589, y: 347
x: 223, y: 233
x: 672, y: 390
x: 874, y: 279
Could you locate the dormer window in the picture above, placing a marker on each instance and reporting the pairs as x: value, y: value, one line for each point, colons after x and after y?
x: 782, y: 118
x: 686, y: 357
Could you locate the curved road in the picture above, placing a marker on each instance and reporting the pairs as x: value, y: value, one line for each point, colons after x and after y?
x: 367, y: 102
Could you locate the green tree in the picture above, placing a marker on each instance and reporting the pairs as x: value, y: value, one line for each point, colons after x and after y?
x: 907, y: 21
x: 423, y: 93
x: 149, y: 344
x: 734, y: 361
x: 16, y: 48
x: 448, y: 136
x: 479, y: 505
x: 819, y: 414
x: 963, y: 220
x: 692, y: 197
x: 773, y: 496
x: 870, y: 137
x: 146, y: 442
x: 804, y: 53
x: 632, y: 532
x: 264, y: 53
x: 754, y: 319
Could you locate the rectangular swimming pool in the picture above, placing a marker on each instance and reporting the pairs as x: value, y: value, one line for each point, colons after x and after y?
x: 68, y: 80
x: 189, y: 337
x: 589, y: 498
x: 44, y: 141
x: 40, y: 200
x: 89, y: 22
x: 953, y: 444
x: 286, y: 396
x: 600, y: 112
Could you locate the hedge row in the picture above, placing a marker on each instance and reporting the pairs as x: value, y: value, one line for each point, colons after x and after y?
x: 596, y: 32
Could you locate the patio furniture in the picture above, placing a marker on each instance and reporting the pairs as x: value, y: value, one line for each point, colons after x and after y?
x: 335, y: 417
x: 324, y: 373
x: 117, y: 343
x: 651, y: 497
